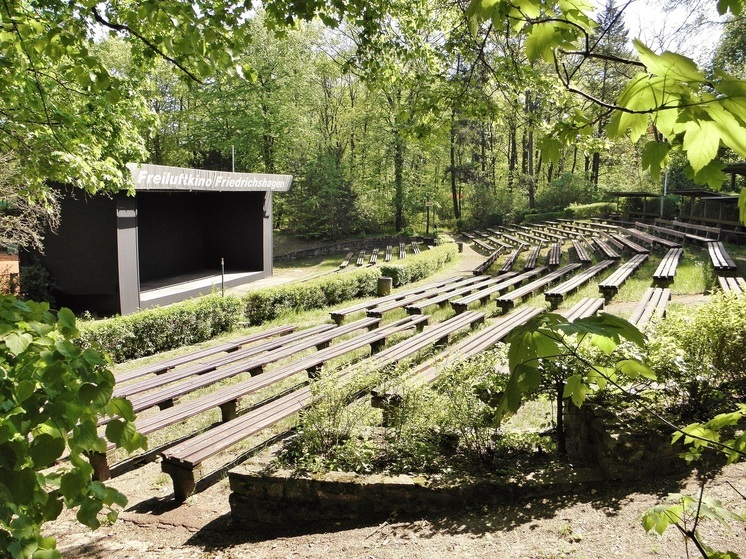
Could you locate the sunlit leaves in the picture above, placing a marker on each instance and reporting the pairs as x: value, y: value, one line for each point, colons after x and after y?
x: 53, y: 396
x: 654, y: 157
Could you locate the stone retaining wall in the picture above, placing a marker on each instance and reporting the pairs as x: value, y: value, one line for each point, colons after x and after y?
x: 604, y: 437
x: 354, y: 245
x: 260, y: 498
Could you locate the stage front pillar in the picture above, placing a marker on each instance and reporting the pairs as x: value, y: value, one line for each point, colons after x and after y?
x: 127, y: 254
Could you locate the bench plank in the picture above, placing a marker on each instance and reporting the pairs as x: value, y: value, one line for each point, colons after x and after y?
x: 556, y: 294
x: 610, y: 286
x: 652, y: 305
x: 666, y: 270
x: 233, y: 345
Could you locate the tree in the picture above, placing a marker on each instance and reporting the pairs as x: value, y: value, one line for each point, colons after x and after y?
x: 65, y: 116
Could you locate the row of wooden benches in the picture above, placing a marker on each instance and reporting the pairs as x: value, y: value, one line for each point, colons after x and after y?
x: 180, y: 376
x: 388, y: 255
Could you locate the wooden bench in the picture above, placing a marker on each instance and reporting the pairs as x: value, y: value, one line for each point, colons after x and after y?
x: 162, y: 390
x: 644, y: 227
x: 667, y: 232
x: 360, y: 258
x: 511, y: 260
x: 415, y: 248
x: 720, y: 258
x: 629, y: 245
x: 227, y: 347
x: 611, y: 240
x: 420, y: 306
x: 373, y: 257
x: 226, y: 398
x: 666, y: 270
x: 429, y: 371
x: 380, y: 310
x: 484, y: 295
x: 610, y: 286
x: 346, y: 261
x: 532, y: 258
x: 402, y: 251
x: 652, y: 305
x: 388, y: 256
x: 182, y: 462
x: 339, y: 315
x: 508, y: 301
x: 605, y: 249
x: 482, y: 245
x: 581, y: 253
x: 554, y: 257
x: 555, y: 295
x: 587, y: 306
x: 487, y: 264
x: 697, y: 233
x: 732, y: 284
x: 127, y: 386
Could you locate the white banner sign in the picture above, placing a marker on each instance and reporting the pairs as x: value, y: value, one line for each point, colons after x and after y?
x: 161, y: 177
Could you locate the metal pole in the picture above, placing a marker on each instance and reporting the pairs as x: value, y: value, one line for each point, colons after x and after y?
x: 222, y: 277
x: 665, y: 190
x: 427, y: 213
x: 233, y: 158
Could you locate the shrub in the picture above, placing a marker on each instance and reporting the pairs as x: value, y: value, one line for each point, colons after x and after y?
x: 415, y: 268
x: 161, y: 329
x: 267, y: 304
x: 585, y: 211
x: 53, y: 394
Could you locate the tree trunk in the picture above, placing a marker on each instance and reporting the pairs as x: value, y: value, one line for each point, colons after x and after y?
x: 454, y: 182
x: 398, y: 181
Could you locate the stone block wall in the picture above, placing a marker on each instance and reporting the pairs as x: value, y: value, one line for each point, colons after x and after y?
x: 624, y: 448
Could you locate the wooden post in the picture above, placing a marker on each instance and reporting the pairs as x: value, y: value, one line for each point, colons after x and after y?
x: 384, y: 286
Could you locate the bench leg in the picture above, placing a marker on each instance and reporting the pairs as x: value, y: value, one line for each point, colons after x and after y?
x: 183, y: 479
x: 229, y: 410
x: 390, y: 404
x: 100, y: 464
x: 165, y: 404
x: 323, y: 345
x: 377, y: 346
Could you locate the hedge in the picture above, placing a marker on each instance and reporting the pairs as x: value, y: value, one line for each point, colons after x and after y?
x: 268, y: 304
x: 421, y: 266
x: 163, y: 328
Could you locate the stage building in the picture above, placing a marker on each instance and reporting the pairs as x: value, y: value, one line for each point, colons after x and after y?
x: 184, y: 232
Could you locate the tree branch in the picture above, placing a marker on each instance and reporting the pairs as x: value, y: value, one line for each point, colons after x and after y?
x: 145, y: 40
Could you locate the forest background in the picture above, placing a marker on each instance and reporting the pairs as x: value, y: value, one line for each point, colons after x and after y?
x: 390, y: 116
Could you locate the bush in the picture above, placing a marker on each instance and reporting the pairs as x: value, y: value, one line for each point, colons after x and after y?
x: 161, y: 329
x: 267, y: 304
x: 415, y: 268
x: 586, y: 211
x: 53, y: 394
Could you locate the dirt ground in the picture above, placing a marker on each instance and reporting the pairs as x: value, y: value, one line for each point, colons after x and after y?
x: 590, y: 523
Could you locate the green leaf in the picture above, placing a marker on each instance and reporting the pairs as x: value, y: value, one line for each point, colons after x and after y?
x: 634, y: 369
x: 45, y: 450
x: 121, y: 407
x: 701, y: 143
x: 653, y: 157
x: 541, y: 42
x: 732, y: 6
x: 669, y: 64
x: 73, y: 484
x: 66, y: 321
x: 576, y: 389
x: 18, y: 343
